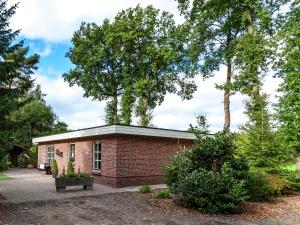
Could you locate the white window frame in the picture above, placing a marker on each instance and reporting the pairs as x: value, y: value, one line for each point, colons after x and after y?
x: 98, y: 168
x: 69, y: 152
x: 51, y: 153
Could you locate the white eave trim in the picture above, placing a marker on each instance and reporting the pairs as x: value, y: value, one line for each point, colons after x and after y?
x: 116, y: 129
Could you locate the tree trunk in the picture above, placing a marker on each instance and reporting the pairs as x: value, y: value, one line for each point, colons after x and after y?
x: 144, y: 115
x: 115, y: 106
x: 298, y: 164
x: 227, y: 99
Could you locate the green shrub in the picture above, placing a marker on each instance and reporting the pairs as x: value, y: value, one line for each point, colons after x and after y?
x: 54, y: 168
x: 165, y: 193
x: 83, y: 174
x: 75, y: 175
x: 33, y: 155
x: 70, y: 168
x: 210, y: 191
x: 209, y: 177
x: 258, y: 187
x: 262, y: 186
x: 3, y: 161
x: 23, y: 160
x: 145, y: 189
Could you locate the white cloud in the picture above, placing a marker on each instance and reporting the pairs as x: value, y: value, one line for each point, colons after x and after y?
x: 178, y: 114
x: 70, y: 105
x: 56, y: 20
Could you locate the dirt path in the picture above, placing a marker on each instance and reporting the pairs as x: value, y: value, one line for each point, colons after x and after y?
x: 135, y: 208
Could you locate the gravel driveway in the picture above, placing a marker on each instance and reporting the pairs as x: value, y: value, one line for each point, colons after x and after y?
x: 123, y: 209
x: 30, y: 198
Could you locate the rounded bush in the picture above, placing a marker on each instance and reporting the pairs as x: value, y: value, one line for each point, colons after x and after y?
x: 210, y: 191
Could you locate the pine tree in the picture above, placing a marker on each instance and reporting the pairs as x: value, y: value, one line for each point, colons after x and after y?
x: 16, y: 69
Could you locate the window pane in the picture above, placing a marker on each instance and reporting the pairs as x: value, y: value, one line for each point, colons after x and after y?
x: 96, y: 156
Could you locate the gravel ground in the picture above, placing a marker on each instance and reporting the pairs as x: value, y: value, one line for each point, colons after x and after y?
x: 137, y: 208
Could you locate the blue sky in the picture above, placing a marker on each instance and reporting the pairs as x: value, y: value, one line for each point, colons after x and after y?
x: 47, y: 27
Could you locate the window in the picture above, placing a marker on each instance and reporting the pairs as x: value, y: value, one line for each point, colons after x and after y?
x: 50, y: 153
x: 72, y: 153
x: 97, y: 156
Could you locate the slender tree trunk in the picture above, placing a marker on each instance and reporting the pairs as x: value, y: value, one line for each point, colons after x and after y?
x: 255, y: 85
x: 227, y: 120
x: 127, y: 105
x: 144, y: 115
x: 115, y: 107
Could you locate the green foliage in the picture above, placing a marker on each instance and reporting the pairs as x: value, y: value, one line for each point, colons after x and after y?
x: 258, y: 142
x: 262, y: 186
x: 33, y: 155
x: 258, y: 187
x: 165, y: 193
x: 3, y: 161
x: 213, y: 28
x: 288, y: 68
x: 35, y: 118
x: 70, y: 169
x: 137, y: 58
x: 23, y: 160
x: 54, y: 168
x: 75, y: 175
x: 16, y: 69
x: 145, y: 189
x: 83, y: 175
x: 210, y: 191
x: 208, y: 177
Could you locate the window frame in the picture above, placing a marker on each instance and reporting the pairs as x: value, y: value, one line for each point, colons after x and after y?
x: 69, y: 152
x: 99, y: 161
x: 51, y: 153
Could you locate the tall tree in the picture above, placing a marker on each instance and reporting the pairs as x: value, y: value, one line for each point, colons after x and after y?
x: 137, y: 59
x: 156, y: 55
x: 214, y: 28
x: 98, y: 67
x: 254, y: 55
x: 35, y: 118
x: 15, y: 72
x: 289, y: 70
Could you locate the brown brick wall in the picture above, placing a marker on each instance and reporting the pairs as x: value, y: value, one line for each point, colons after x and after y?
x: 141, y: 159
x: 127, y: 160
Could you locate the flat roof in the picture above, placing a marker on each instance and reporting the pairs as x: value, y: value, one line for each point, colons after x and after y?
x: 117, y: 129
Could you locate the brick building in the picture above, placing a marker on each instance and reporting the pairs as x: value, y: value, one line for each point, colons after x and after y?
x: 116, y: 155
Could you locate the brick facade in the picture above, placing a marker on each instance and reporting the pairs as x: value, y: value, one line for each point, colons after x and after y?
x: 126, y: 160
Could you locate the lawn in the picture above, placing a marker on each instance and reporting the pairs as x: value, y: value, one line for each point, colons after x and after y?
x: 290, y: 167
x: 4, y: 177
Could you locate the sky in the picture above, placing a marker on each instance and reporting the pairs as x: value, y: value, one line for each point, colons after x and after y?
x: 47, y: 27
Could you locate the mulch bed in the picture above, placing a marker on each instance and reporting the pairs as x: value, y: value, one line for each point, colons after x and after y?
x: 275, y: 208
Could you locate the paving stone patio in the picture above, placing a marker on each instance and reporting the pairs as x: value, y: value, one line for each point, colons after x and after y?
x: 33, y: 185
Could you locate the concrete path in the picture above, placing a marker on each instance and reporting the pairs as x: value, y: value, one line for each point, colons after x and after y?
x: 33, y: 185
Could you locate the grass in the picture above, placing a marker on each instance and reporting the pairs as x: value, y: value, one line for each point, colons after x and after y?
x: 145, y: 189
x: 165, y: 193
x: 290, y: 167
x: 4, y: 177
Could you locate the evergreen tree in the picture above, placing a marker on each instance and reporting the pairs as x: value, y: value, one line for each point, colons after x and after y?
x: 16, y: 69
x: 258, y: 141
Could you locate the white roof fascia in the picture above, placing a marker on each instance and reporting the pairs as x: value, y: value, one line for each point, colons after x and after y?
x: 116, y: 129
